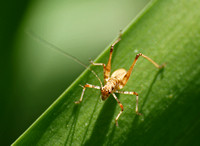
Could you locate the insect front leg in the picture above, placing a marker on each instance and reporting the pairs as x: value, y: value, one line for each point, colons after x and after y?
x: 131, y: 93
x: 121, y: 106
x: 84, y: 87
x: 104, y: 69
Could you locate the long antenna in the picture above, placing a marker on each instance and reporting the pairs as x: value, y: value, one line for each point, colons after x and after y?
x: 36, y: 37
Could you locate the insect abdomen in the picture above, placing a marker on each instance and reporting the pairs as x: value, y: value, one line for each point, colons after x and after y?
x: 119, y: 75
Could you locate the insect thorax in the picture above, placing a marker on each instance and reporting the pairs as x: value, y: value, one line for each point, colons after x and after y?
x: 109, y: 88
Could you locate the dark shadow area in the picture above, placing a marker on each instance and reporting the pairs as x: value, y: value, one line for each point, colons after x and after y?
x: 11, y: 14
x: 103, y: 122
x: 135, y: 122
x: 177, y: 124
x: 111, y: 135
x: 160, y: 72
x: 46, y: 121
x: 105, y: 117
x: 73, y: 118
x: 90, y: 120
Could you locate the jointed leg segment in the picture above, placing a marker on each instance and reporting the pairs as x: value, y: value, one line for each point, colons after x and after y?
x: 126, y: 77
x: 84, y: 87
x: 104, y: 69
x: 131, y: 93
x: 107, y: 68
x: 121, y: 106
x: 153, y: 62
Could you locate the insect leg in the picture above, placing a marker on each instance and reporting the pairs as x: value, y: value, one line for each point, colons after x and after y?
x: 153, y: 62
x: 84, y: 87
x: 108, y: 66
x: 121, y: 106
x: 126, y: 77
x: 104, y: 69
x: 131, y: 93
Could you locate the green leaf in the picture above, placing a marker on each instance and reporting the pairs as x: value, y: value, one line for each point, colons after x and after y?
x: 168, y: 31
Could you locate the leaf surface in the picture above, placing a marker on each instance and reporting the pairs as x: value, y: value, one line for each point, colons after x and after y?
x: 166, y: 31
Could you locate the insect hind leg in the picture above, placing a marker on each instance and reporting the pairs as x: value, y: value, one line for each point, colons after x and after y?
x: 107, y: 68
x: 126, y: 77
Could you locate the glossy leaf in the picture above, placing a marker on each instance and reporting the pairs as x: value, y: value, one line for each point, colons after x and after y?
x: 168, y: 32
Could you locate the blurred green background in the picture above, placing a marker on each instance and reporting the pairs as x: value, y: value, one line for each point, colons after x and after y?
x: 33, y: 75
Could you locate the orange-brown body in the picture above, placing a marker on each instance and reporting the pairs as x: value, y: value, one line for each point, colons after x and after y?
x: 113, y: 83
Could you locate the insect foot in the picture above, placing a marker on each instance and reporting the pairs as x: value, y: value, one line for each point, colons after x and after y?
x: 77, y: 102
x: 138, y: 113
x: 116, y: 122
x: 162, y: 66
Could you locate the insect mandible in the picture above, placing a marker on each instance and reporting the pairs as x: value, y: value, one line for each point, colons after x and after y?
x: 113, y: 83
